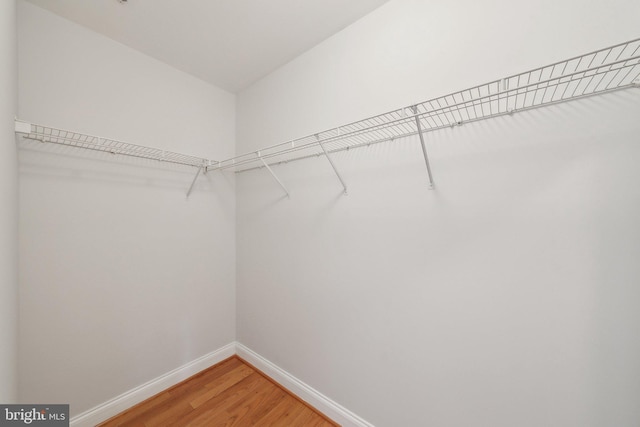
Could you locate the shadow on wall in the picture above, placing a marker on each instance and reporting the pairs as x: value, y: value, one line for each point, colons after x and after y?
x: 473, y: 142
x: 75, y: 164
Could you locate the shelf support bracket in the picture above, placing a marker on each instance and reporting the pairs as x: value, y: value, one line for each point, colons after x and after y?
x: 424, y: 147
x: 273, y: 174
x: 326, y: 153
x: 194, y: 181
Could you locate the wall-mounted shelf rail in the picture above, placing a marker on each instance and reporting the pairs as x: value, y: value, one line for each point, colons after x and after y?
x: 605, y: 70
x: 46, y: 134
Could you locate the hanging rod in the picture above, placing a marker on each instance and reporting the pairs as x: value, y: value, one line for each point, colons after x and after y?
x: 605, y: 70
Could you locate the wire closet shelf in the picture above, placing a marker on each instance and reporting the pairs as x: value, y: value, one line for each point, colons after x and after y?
x: 605, y: 70
x: 68, y: 138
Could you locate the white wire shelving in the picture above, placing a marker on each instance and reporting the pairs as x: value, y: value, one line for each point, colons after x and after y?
x: 605, y: 70
x: 89, y: 142
x: 610, y: 69
x: 46, y: 134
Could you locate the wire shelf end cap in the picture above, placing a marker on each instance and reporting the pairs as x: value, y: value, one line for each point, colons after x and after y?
x: 22, y: 127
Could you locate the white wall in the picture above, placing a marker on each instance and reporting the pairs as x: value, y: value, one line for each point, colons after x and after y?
x: 507, y: 296
x: 408, y: 51
x: 8, y: 205
x: 122, y: 278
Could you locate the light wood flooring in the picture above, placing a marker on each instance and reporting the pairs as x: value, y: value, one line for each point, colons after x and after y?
x: 231, y: 393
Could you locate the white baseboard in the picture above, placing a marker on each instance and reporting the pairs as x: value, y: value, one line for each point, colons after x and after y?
x: 132, y: 397
x: 331, y: 409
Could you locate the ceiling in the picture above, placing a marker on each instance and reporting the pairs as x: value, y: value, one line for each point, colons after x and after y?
x: 229, y: 43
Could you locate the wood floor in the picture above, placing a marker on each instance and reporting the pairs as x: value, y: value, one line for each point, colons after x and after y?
x: 231, y: 393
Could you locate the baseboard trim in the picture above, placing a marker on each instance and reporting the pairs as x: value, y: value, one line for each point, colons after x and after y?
x: 322, y: 403
x: 134, y: 396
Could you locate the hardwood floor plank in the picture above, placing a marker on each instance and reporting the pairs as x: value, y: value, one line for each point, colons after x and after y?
x: 277, y: 412
x: 157, y: 403
x: 208, y: 412
x: 147, y: 405
x: 328, y: 422
x: 180, y: 403
x: 233, y: 412
x: 221, y: 384
x: 304, y: 418
x: 180, y: 406
x: 321, y: 421
x: 179, y: 410
x: 206, y: 376
x: 243, y: 412
x: 287, y: 419
x: 230, y: 394
x: 261, y: 404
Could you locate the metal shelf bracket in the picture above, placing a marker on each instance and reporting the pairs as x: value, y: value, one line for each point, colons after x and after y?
x: 598, y: 72
x: 328, y: 156
x: 273, y: 174
x: 195, y: 178
x: 424, y: 147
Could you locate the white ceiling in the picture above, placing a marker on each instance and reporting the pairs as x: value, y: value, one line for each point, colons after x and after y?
x: 229, y: 43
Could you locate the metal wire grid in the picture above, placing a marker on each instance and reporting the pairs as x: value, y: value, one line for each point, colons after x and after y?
x: 89, y: 142
x: 605, y: 70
